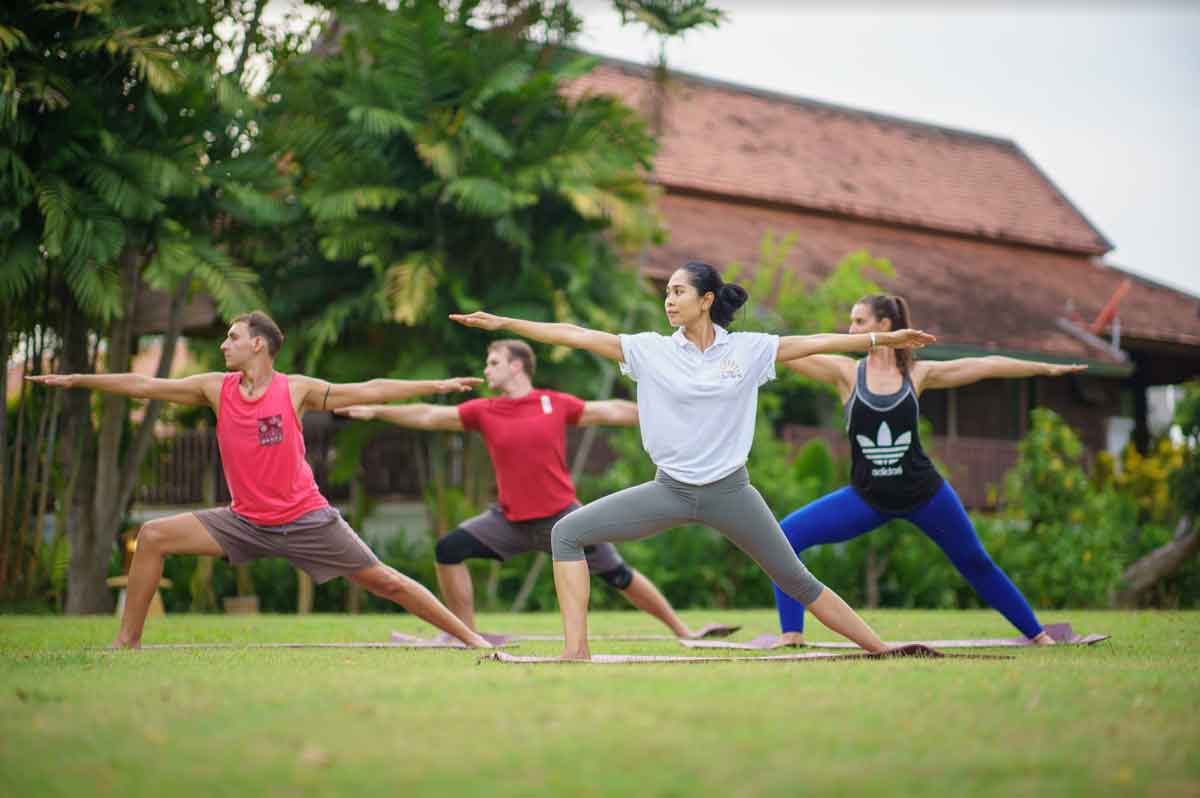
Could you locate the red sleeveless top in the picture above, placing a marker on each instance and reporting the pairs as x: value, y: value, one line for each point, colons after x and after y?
x: 262, y: 451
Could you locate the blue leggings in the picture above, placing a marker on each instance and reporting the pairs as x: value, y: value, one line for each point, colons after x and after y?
x: 843, y: 515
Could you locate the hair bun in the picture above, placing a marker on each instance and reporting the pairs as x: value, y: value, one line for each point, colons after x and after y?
x: 734, y: 295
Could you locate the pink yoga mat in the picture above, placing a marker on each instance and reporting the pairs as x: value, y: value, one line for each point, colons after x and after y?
x: 418, y: 644
x: 912, y: 650
x: 445, y: 641
x: 1062, y: 633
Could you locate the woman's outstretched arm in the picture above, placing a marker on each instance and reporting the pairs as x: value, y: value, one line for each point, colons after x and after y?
x: 794, y: 346
x: 569, y: 335
x: 966, y: 370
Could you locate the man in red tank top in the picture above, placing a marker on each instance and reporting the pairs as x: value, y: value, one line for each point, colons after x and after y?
x: 525, y: 432
x: 276, y: 508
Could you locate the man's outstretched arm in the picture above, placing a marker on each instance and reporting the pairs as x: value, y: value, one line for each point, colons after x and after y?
x: 423, y: 417
x: 199, y: 389
x: 321, y: 395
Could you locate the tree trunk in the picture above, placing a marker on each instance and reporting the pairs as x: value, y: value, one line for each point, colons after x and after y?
x: 1158, y: 564
x: 876, y: 565
x: 5, y: 343
x: 86, y: 591
x: 88, y: 564
x: 204, y: 599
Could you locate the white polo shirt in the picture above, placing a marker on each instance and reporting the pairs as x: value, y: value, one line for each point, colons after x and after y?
x: 696, y: 409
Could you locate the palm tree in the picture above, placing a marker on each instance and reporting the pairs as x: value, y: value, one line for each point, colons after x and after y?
x: 136, y: 178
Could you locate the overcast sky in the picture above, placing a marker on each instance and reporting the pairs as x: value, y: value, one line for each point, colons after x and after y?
x: 1105, y: 97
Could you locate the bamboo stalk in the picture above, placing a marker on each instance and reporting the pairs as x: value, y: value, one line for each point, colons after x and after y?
x: 4, y: 353
x: 12, y: 527
x: 47, y: 468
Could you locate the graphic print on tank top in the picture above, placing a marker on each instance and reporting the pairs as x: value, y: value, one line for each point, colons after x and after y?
x: 270, y: 430
x: 884, y: 451
x: 889, y: 468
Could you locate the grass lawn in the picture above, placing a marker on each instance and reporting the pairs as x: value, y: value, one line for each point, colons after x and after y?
x: 1119, y: 718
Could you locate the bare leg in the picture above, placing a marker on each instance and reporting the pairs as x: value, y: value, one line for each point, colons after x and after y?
x: 573, y: 585
x: 388, y: 583
x: 643, y: 594
x: 454, y: 582
x: 836, y: 614
x: 176, y: 534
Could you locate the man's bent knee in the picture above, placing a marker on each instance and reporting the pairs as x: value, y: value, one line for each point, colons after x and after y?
x: 154, y: 536
x: 460, y: 545
x: 620, y: 577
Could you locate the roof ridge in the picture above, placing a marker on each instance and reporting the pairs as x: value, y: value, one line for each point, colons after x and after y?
x: 796, y: 99
x: 1093, y: 241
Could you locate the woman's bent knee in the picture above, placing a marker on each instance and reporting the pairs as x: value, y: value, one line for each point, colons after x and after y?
x: 564, y: 541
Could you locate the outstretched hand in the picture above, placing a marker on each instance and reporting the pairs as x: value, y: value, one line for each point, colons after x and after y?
x: 54, y: 380
x: 480, y: 319
x: 910, y: 339
x: 360, y: 412
x: 458, y: 384
x: 1059, y: 369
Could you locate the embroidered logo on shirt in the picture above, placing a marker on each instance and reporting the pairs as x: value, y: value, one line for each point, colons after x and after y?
x: 884, y: 451
x: 270, y: 431
x: 546, y: 408
x: 730, y: 370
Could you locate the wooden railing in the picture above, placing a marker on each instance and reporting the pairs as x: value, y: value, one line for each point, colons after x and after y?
x: 976, y: 465
x: 175, y: 473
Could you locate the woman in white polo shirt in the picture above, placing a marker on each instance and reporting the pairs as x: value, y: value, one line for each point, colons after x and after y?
x: 697, y: 399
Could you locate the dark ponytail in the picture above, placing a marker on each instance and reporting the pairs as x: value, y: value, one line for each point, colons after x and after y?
x: 895, y: 309
x: 727, y: 297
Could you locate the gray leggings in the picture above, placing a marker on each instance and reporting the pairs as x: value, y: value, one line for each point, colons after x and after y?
x: 731, y: 505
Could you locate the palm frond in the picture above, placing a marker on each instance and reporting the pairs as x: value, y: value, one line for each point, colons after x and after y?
x: 346, y: 203
x: 23, y: 263
x: 481, y: 196
x: 481, y: 132
x: 410, y: 287
x: 507, y: 78
x: 97, y: 288
x: 120, y: 193
x: 12, y: 39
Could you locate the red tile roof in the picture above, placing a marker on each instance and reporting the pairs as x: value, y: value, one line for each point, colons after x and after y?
x: 741, y: 142
x: 970, y: 292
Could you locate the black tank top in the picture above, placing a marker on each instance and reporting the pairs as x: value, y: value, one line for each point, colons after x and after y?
x: 889, y: 469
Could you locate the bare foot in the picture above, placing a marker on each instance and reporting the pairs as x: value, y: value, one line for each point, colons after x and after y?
x: 790, y: 640
x: 1043, y: 639
x: 478, y: 641
x: 582, y: 655
x: 120, y: 644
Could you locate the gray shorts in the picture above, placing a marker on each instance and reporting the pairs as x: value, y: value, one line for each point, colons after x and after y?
x: 319, y: 543
x: 510, y: 538
x: 730, y: 505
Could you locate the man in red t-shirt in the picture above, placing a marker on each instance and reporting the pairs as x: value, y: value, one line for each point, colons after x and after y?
x: 525, y: 432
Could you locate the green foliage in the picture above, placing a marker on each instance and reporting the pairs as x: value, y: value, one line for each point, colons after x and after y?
x: 669, y: 18
x: 1065, y: 538
x: 441, y: 167
x: 1185, y: 482
x: 1145, y: 478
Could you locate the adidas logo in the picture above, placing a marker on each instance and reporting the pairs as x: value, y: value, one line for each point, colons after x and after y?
x: 883, y: 450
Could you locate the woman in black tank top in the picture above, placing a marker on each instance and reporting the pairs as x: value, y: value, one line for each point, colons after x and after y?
x: 891, y: 476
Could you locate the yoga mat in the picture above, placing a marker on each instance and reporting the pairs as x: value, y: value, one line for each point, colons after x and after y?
x: 1062, y: 633
x: 708, y: 631
x: 412, y: 644
x: 402, y: 640
x: 911, y: 650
